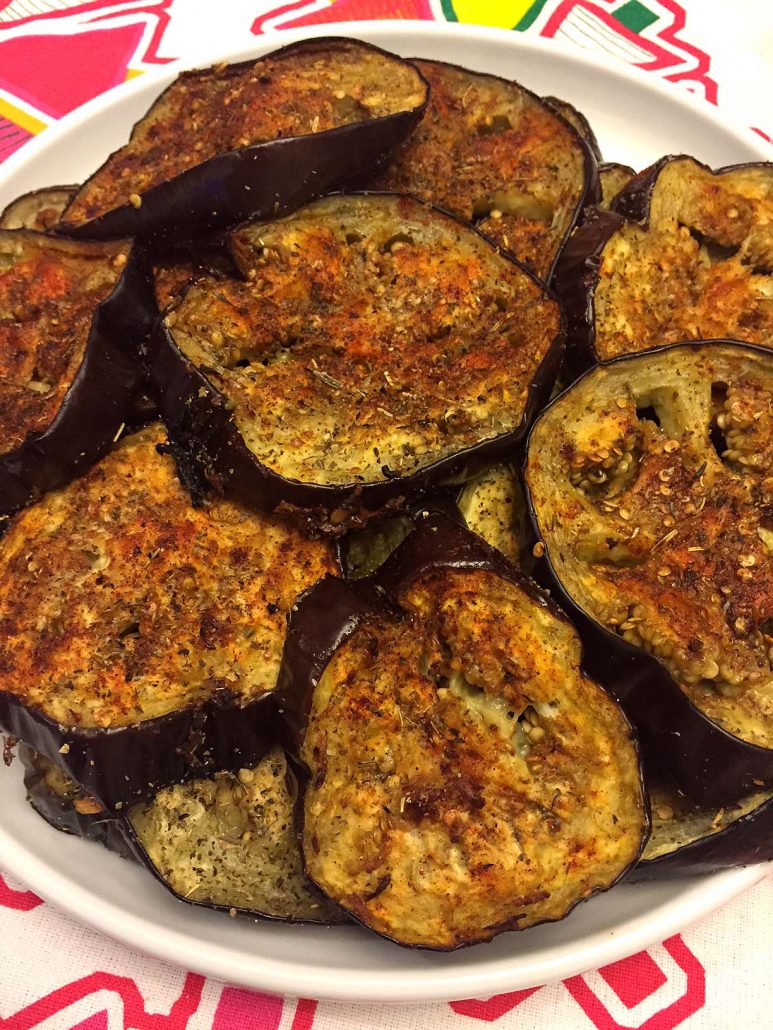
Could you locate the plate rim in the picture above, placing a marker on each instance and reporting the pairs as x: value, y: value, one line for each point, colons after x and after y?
x: 702, y: 894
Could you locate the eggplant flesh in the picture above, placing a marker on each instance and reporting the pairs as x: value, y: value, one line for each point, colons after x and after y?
x: 39, y: 210
x: 136, y: 627
x: 690, y: 838
x: 229, y: 841
x: 453, y: 745
x: 650, y: 486
x: 699, y: 264
x: 497, y: 155
x: 493, y: 506
x: 49, y: 293
x: 267, y: 135
x: 338, y: 372
x: 613, y: 178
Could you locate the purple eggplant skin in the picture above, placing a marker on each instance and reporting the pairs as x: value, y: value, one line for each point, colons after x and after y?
x: 258, y: 181
x: 212, y: 455
x: 327, y: 614
x: 710, y: 765
x: 25, y: 212
x: 746, y: 841
x: 100, y: 400
x: 578, y: 121
x: 574, y: 281
x: 130, y: 763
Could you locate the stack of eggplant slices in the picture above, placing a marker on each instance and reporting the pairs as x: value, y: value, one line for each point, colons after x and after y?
x: 313, y: 601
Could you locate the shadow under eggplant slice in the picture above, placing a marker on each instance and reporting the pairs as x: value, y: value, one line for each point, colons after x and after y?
x: 464, y: 776
x: 375, y: 349
x: 142, y: 636
x: 649, y: 483
x: 495, y: 154
x: 252, y: 139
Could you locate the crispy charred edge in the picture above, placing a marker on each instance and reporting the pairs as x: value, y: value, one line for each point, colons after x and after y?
x: 746, y: 840
x: 71, y: 811
x: 710, y: 765
x: 100, y: 400
x: 213, y: 457
x: 328, y: 613
x: 591, y: 192
x: 579, y: 122
x: 575, y: 279
x: 130, y: 763
x: 40, y: 209
x: 262, y: 180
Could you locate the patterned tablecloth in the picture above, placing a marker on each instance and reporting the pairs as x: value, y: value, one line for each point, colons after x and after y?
x: 55, y: 973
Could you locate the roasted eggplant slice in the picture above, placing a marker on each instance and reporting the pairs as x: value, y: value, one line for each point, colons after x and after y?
x: 73, y: 317
x: 39, y: 210
x: 497, y: 155
x: 578, y: 121
x: 686, y: 254
x: 140, y: 638
x: 251, y: 139
x: 364, y: 550
x: 613, y: 178
x: 687, y: 838
x: 465, y: 777
x: 493, y: 506
x: 226, y: 842
x: 376, y: 348
x: 651, y: 482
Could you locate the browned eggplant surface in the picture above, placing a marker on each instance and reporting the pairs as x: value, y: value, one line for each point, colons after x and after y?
x: 39, y: 210
x: 492, y: 152
x: 699, y: 267
x: 465, y: 778
x: 124, y: 608
x: 650, y: 481
x: 252, y: 138
x: 613, y: 178
x: 375, y: 344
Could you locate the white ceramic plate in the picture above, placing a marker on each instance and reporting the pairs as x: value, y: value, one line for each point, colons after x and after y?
x: 636, y: 120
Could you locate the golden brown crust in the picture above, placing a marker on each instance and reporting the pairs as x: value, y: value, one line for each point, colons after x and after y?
x: 662, y: 536
x: 372, y: 338
x: 702, y: 269
x: 213, y: 111
x: 492, y: 153
x: 465, y: 777
x: 120, y: 602
x: 49, y: 291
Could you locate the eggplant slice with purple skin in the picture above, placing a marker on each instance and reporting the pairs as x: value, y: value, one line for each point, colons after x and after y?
x: 613, y: 178
x: 375, y: 349
x: 687, y: 839
x: 464, y: 776
x: 226, y: 842
x: 686, y: 253
x: 73, y: 318
x: 251, y: 140
x: 494, y: 153
x: 493, y: 506
x: 578, y: 121
x: 141, y: 637
x: 39, y: 210
x: 650, y: 483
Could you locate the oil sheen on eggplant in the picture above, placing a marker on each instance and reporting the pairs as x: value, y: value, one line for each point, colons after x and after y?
x: 651, y: 482
x: 697, y: 265
x: 125, y: 609
x: 497, y: 155
x: 465, y: 778
x: 223, y: 143
x: 374, y: 344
